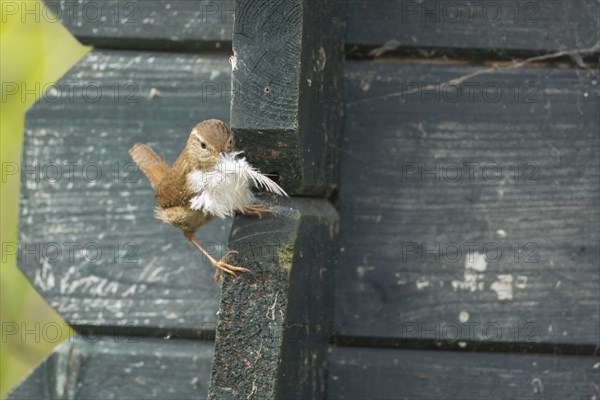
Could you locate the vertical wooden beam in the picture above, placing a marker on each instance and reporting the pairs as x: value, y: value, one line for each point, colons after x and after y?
x: 274, y: 323
x: 287, y: 76
x: 286, y: 108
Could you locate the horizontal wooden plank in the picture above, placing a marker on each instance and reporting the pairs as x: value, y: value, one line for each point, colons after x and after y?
x: 361, y: 373
x: 434, y: 28
x: 146, y: 24
x: 120, y: 367
x: 426, y: 28
x: 88, y: 240
x: 473, y: 204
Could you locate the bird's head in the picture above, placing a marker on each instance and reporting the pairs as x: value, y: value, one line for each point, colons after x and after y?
x: 207, y: 141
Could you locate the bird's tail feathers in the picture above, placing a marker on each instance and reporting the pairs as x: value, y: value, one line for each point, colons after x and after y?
x: 149, y: 162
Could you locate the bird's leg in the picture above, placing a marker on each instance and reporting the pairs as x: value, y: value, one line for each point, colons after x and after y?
x: 219, y: 265
x: 258, y: 210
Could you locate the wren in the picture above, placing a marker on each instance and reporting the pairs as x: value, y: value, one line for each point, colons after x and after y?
x: 208, y: 180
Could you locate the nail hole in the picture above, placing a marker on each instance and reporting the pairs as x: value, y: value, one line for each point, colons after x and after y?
x: 267, y: 90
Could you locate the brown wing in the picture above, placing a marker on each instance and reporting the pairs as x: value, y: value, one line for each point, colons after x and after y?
x: 172, y: 191
x: 150, y: 163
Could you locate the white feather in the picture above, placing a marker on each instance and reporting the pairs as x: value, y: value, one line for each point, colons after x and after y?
x: 227, y: 188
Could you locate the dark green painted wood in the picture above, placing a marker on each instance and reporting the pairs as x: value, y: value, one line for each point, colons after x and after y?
x: 426, y: 28
x: 139, y: 273
x: 286, y: 103
x: 414, y: 211
x: 392, y: 288
x: 487, y: 28
x: 361, y: 373
x: 147, y: 24
x: 274, y: 323
x: 121, y: 367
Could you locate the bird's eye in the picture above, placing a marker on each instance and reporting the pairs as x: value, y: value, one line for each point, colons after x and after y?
x: 203, y: 145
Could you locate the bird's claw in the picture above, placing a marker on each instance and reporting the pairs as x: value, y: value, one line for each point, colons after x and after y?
x: 227, y: 268
x: 258, y: 210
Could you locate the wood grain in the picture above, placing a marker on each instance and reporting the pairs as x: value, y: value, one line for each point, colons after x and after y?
x: 176, y: 25
x: 360, y: 373
x: 459, y: 209
x: 286, y: 103
x: 484, y: 29
x: 108, y: 367
x: 278, y: 318
x: 137, y: 272
x: 431, y: 29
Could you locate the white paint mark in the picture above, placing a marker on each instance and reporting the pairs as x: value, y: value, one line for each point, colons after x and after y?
x: 521, y: 282
x: 536, y: 383
x: 472, y: 282
x: 475, y: 261
x: 214, y: 74
x: 44, y: 278
x: 422, y: 284
x: 503, y: 287
x: 362, y: 270
x: 130, y: 290
x: 463, y: 316
x: 83, y: 284
x: 596, y: 366
x: 99, y: 289
x: 113, y: 287
x: 53, y: 92
x: 154, y: 92
x: 558, y: 284
x: 365, y: 85
x: 501, y: 233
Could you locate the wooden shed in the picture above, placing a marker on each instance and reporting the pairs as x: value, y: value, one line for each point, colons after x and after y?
x: 441, y: 240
